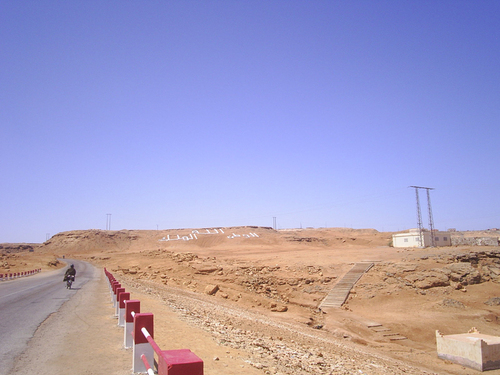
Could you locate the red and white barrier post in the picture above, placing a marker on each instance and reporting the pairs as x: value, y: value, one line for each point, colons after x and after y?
x: 122, y: 297
x: 111, y: 279
x: 141, y: 344
x: 116, y: 285
x: 113, y: 283
x: 131, y: 306
x: 117, y: 304
x: 179, y: 362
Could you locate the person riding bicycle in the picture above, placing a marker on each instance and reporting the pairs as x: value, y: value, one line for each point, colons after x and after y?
x: 71, y: 271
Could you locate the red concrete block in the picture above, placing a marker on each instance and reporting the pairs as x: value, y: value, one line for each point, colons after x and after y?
x: 179, y: 362
x: 122, y: 297
x: 142, y: 320
x: 131, y: 305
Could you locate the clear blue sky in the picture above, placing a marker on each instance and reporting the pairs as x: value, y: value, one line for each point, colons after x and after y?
x: 187, y: 114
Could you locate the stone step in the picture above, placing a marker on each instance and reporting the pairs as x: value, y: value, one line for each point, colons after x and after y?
x: 397, y: 337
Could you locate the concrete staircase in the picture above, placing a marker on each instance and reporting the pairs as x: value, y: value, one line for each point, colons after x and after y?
x: 340, y: 291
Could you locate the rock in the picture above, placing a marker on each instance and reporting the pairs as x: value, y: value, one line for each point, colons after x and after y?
x: 211, y: 289
x: 293, y: 282
x: 402, y: 268
x: 428, y: 279
x: 205, y: 269
x: 448, y: 302
x: 278, y: 308
x: 184, y: 257
x: 464, y: 273
x: 495, y: 301
x: 491, y: 271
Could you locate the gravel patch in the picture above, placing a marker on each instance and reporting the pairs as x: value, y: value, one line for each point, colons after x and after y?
x: 275, y: 347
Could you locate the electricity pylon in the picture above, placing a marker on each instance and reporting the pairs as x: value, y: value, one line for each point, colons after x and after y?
x: 419, y: 216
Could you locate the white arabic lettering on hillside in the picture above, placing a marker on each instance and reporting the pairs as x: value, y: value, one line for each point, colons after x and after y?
x: 194, y: 233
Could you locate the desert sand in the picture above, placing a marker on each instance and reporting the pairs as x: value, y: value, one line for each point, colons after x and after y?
x: 258, y: 291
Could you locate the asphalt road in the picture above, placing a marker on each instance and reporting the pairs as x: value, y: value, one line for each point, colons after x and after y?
x: 26, y: 302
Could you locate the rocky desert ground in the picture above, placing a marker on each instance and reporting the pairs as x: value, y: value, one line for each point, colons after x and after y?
x: 258, y: 290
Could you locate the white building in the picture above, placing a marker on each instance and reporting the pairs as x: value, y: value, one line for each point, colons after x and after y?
x: 413, y: 239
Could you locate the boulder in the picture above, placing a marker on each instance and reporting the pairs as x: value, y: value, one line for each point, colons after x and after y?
x: 428, y: 279
x: 278, y: 308
x: 490, y: 272
x: 211, y: 289
x: 464, y: 273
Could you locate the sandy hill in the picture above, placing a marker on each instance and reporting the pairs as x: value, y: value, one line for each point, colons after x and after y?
x: 83, y: 241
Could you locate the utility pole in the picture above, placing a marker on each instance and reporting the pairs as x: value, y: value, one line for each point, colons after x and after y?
x: 274, y: 222
x: 108, y: 221
x: 419, y: 216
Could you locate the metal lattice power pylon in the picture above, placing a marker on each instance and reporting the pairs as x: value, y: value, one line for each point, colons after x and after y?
x: 419, y: 216
x: 419, y: 219
x: 431, y: 220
